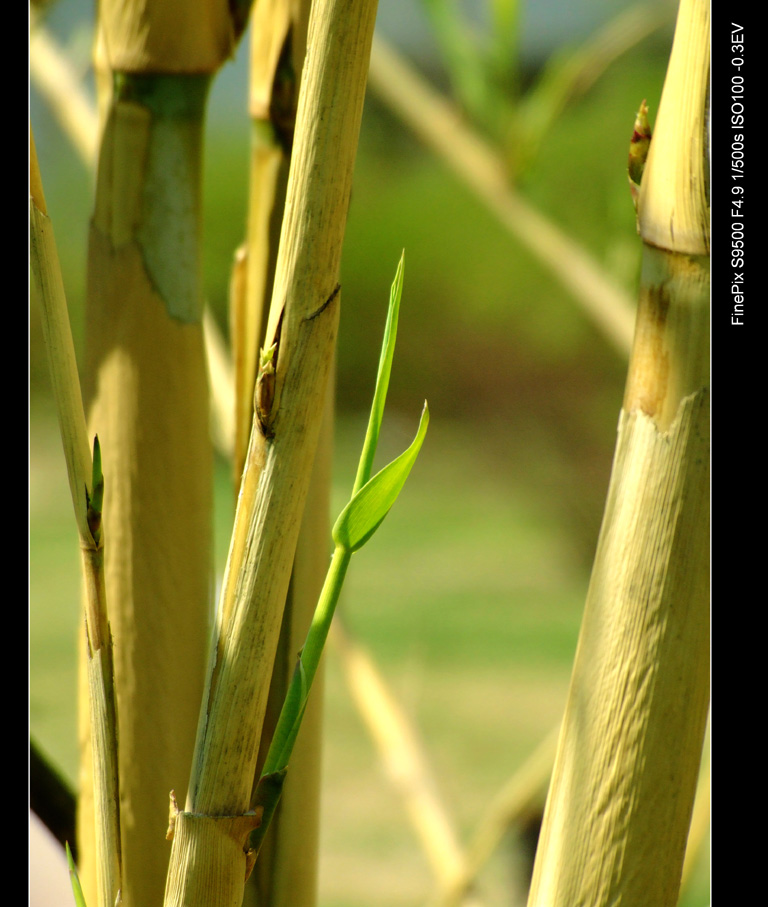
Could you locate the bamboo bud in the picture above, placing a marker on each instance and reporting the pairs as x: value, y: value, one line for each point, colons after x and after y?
x: 673, y: 208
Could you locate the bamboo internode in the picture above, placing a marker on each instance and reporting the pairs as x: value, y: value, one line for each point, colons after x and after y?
x: 624, y: 781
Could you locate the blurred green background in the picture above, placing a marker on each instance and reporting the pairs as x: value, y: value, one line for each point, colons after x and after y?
x: 470, y: 595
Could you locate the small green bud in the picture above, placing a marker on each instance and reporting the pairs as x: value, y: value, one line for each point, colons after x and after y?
x: 638, y: 151
x: 265, y: 388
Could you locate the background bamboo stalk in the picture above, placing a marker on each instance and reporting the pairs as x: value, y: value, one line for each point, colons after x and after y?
x: 303, y: 318
x: 623, y: 786
x: 53, y: 75
x: 700, y: 823
x: 278, y: 43
x: 521, y: 795
x: 404, y: 761
x: 147, y: 398
x: 433, y: 119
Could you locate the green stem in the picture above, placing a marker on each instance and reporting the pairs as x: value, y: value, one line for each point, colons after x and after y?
x: 298, y: 692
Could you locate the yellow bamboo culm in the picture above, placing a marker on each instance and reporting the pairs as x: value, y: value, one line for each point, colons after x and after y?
x: 624, y: 781
x: 147, y: 398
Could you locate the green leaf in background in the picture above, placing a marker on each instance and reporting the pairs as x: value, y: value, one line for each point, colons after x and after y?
x: 367, y: 509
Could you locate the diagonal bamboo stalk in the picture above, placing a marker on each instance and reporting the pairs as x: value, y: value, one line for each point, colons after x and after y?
x: 432, y: 118
x: 53, y: 75
x: 624, y: 781
x: 524, y: 791
x: 301, y: 335
x: 87, y: 488
x: 404, y: 760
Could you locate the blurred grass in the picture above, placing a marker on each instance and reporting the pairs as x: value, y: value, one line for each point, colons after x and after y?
x: 470, y: 596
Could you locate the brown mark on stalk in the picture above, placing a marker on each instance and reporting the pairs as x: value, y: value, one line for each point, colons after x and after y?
x: 264, y: 394
x: 649, y: 371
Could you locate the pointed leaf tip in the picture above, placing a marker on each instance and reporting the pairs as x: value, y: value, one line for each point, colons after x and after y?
x: 76, y: 889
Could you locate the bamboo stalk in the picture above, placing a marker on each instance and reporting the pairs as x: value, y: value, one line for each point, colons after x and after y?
x: 700, y: 824
x: 221, y: 382
x: 148, y: 400
x: 301, y: 335
x: 87, y: 489
x: 278, y: 42
x: 286, y: 871
x: 623, y: 787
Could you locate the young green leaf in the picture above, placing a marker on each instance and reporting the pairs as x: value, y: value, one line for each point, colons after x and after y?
x: 365, y: 464
x: 367, y: 509
x: 77, y: 890
x: 371, y: 501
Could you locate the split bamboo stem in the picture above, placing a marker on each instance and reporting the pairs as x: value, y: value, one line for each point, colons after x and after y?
x: 147, y: 399
x: 87, y: 488
x: 624, y: 781
x: 285, y: 874
x: 302, y: 329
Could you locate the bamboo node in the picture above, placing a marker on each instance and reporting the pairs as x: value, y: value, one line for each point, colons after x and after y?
x: 236, y: 827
